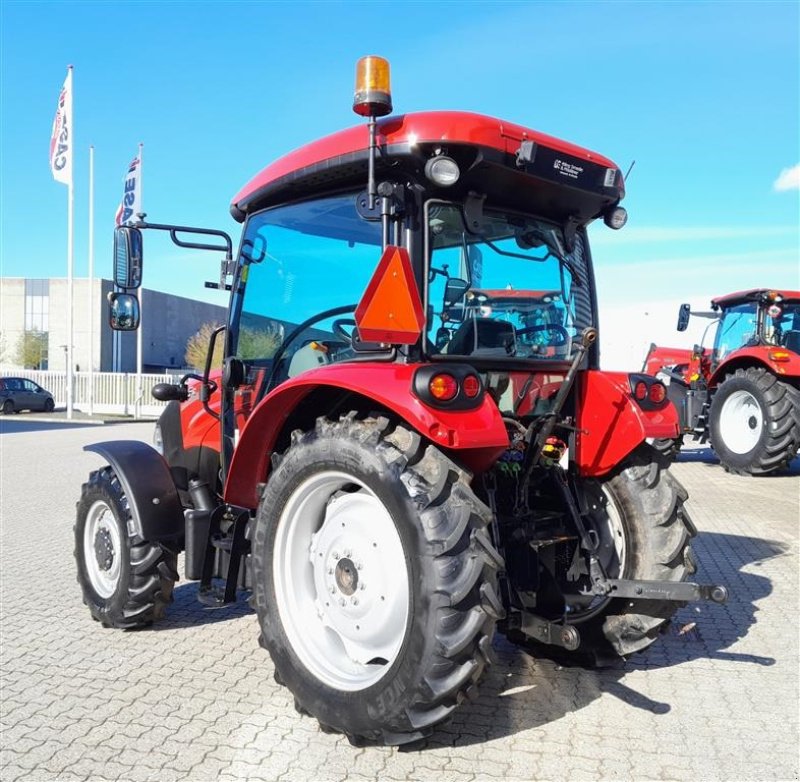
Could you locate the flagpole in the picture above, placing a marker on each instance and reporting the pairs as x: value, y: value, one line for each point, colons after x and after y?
x: 70, y: 256
x: 90, y: 308
x: 139, y: 391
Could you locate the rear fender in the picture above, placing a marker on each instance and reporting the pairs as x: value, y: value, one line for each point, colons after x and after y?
x: 759, y: 356
x: 475, y: 437
x: 658, y: 357
x: 146, y: 480
x: 610, y: 423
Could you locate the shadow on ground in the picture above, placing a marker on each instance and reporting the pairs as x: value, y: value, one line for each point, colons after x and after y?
x: 522, y: 692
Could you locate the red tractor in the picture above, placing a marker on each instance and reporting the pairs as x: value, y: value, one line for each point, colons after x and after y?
x: 744, y: 394
x: 409, y: 444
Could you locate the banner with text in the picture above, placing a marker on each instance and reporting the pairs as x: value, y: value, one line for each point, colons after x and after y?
x: 131, y: 203
x: 61, y: 136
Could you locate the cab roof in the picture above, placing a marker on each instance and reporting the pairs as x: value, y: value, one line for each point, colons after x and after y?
x: 404, y: 133
x: 731, y: 299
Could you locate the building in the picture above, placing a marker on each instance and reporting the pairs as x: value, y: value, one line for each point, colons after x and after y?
x: 39, y: 306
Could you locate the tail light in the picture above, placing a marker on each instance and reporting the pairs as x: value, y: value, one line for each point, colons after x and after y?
x: 457, y: 387
x: 443, y: 387
x: 649, y: 393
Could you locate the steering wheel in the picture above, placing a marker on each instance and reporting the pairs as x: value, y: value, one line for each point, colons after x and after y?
x: 562, y: 335
x: 338, y: 329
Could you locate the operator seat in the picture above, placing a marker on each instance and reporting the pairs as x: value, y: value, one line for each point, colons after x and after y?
x: 483, y: 336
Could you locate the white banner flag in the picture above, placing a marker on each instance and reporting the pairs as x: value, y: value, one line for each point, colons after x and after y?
x: 131, y: 203
x: 61, y: 137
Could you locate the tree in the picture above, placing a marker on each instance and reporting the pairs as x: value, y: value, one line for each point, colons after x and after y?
x: 197, y: 348
x: 32, y: 349
x: 253, y: 344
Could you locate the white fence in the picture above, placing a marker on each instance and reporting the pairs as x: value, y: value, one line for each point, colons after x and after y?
x: 110, y: 392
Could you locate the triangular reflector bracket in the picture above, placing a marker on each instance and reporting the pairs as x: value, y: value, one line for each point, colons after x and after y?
x: 390, y: 311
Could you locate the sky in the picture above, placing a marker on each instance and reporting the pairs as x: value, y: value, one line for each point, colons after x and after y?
x: 703, y: 96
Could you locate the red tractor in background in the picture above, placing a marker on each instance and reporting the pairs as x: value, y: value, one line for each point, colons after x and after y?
x: 409, y: 444
x: 744, y: 394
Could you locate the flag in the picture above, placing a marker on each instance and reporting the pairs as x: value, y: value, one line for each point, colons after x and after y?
x: 131, y: 203
x: 61, y: 137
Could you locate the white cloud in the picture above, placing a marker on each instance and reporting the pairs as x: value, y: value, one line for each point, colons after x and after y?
x: 789, y: 179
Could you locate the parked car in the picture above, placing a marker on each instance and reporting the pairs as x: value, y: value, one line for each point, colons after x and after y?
x: 19, y: 393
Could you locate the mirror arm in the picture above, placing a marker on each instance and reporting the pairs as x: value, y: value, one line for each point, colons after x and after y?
x: 175, y: 229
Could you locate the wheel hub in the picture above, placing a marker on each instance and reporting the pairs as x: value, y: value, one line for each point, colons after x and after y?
x: 346, y: 575
x: 103, y: 549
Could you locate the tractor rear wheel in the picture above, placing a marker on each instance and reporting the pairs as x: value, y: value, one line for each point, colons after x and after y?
x: 638, y: 518
x: 754, y: 422
x: 669, y: 448
x: 375, y: 580
x: 126, y: 581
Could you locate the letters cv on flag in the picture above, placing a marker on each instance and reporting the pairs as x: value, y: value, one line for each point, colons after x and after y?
x: 131, y: 203
x: 61, y: 136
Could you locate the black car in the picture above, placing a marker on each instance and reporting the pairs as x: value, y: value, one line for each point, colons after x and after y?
x: 19, y: 393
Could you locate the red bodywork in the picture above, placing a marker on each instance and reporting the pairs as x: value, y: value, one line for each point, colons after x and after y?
x: 614, y: 425
x: 418, y: 128
x: 610, y: 423
x: 478, y: 436
x: 729, y: 299
x: 689, y: 364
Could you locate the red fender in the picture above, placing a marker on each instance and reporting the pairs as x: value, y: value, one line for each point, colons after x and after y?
x: 658, y: 357
x: 478, y: 435
x: 611, y: 424
x: 779, y: 361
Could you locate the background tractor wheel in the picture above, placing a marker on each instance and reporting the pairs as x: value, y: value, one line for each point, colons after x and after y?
x: 644, y: 532
x: 126, y: 581
x: 754, y: 422
x: 375, y: 580
x: 669, y: 448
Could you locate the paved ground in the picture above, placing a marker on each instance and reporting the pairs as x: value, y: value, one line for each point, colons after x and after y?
x: 194, y: 699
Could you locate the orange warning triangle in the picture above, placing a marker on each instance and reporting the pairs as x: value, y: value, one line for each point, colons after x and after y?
x: 390, y: 310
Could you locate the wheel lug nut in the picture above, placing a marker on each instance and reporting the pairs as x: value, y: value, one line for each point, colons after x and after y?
x: 330, y: 571
x: 347, y: 553
x: 335, y: 555
x: 333, y: 590
x: 358, y: 566
x: 355, y: 601
x: 343, y: 602
x: 362, y: 586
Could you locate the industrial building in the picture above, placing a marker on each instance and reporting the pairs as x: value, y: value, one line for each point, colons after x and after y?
x: 39, y: 306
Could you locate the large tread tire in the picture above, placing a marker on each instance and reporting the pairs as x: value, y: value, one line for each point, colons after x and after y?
x: 669, y: 448
x: 452, y: 579
x: 779, y: 439
x: 657, y: 529
x: 147, y: 571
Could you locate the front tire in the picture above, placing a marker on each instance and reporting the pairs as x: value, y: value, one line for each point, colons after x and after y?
x: 126, y: 581
x: 375, y: 580
x: 754, y: 422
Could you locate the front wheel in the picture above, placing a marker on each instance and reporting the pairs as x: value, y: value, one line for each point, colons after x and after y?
x: 126, y: 581
x: 375, y: 580
x: 754, y: 422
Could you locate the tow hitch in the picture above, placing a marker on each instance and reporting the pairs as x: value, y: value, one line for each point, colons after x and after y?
x: 681, y: 591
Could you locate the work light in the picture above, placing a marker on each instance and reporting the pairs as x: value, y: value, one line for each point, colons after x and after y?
x: 442, y: 170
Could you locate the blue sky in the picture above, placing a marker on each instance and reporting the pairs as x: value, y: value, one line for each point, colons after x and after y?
x: 704, y: 96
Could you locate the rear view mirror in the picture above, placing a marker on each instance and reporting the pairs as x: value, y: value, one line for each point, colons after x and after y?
x: 127, y: 257
x: 454, y: 291
x: 123, y: 311
x: 683, y: 316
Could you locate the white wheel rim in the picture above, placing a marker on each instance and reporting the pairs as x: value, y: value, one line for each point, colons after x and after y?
x: 740, y: 422
x: 341, y: 581
x: 615, y: 532
x: 102, y: 549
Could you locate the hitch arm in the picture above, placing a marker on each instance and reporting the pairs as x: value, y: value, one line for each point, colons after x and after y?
x: 680, y: 591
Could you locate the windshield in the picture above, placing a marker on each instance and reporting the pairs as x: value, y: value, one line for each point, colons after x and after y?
x: 510, y: 290
x: 304, y: 269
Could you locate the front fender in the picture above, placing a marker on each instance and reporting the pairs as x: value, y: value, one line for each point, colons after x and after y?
x: 478, y: 436
x: 610, y: 423
x: 147, y: 483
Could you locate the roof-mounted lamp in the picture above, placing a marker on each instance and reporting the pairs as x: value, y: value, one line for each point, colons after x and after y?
x: 372, y: 98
